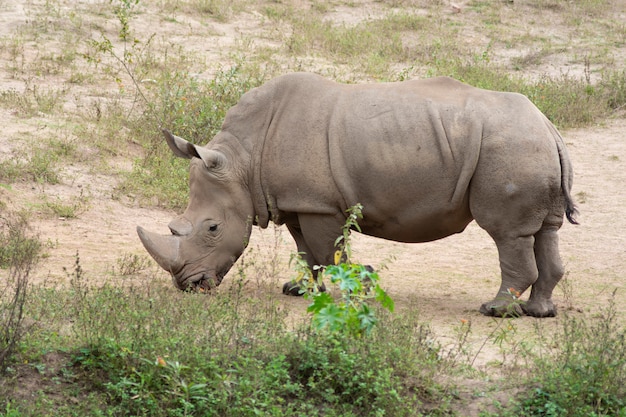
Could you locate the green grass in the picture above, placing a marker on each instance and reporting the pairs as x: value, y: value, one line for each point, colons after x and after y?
x: 66, y: 209
x: 38, y: 163
x: 583, y: 374
x: 33, y: 101
x: 166, y: 353
x: 235, y: 353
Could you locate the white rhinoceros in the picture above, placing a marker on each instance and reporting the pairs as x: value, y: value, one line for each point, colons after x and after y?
x: 424, y: 158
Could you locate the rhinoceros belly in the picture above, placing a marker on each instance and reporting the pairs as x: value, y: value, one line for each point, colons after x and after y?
x: 413, y: 223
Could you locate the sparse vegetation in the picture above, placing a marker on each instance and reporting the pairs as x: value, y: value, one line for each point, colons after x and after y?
x: 19, y: 253
x: 131, y: 264
x: 194, y: 110
x: 17, y: 247
x: 67, y: 210
x: 91, y: 85
x: 585, y: 374
x: 229, y: 354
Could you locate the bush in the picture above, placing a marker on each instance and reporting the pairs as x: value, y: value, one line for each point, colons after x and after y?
x: 19, y: 253
x: 292, y: 374
x: 586, y: 373
x: 168, y: 353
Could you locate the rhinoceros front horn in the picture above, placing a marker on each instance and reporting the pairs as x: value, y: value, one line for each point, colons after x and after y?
x: 164, y: 249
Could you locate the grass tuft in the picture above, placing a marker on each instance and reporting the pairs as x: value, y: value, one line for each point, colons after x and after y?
x: 586, y: 374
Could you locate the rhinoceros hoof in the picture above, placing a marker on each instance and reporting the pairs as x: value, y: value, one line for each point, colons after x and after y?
x: 291, y: 288
x: 545, y: 308
x: 502, y: 308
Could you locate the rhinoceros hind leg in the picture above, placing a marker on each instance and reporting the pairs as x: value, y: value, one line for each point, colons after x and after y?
x: 519, y: 271
x: 292, y: 288
x: 544, y: 308
x: 550, y: 273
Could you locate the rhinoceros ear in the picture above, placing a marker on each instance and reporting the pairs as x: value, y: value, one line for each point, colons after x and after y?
x: 185, y: 149
x: 179, y: 146
x: 213, y: 160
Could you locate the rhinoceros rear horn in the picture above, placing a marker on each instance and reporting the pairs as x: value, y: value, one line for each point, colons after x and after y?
x: 185, y: 149
x: 164, y: 249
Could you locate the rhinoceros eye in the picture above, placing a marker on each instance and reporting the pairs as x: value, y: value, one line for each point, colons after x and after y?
x: 213, y: 228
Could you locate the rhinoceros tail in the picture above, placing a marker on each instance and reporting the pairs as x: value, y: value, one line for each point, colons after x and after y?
x: 567, y: 174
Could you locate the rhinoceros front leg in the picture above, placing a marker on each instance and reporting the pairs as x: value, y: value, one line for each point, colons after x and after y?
x: 315, y: 237
x: 519, y: 271
x: 292, y: 287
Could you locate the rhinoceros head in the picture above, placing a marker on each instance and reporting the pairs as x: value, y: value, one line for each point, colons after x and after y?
x: 211, y: 234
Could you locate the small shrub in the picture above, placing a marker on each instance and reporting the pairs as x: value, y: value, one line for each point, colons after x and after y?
x: 71, y: 210
x: 357, y: 283
x: 38, y: 164
x: 613, y: 84
x: 131, y: 263
x: 17, y: 247
x: 586, y: 374
x: 19, y: 252
x: 32, y: 101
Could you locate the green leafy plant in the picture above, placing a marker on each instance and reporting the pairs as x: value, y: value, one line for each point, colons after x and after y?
x: 10, y: 411
x: 123, y: 12
x: 358, y: 285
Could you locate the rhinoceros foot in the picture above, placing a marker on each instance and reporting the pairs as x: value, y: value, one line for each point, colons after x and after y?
x: 542, y: 308
x: 502, y: 308
x: 293, y: 288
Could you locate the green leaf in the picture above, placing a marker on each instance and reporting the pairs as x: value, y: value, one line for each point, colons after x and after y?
x: 320, y: 301
x: 331, y: 317
x: 365, y: 274
x: 350, y: 283
x: 366, y: 318
x: 384, y: 299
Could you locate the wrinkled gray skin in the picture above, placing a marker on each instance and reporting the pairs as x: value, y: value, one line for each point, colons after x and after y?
x: 424, y: 158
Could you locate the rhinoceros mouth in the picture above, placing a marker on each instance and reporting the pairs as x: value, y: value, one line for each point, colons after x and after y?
x: 202, y: 283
